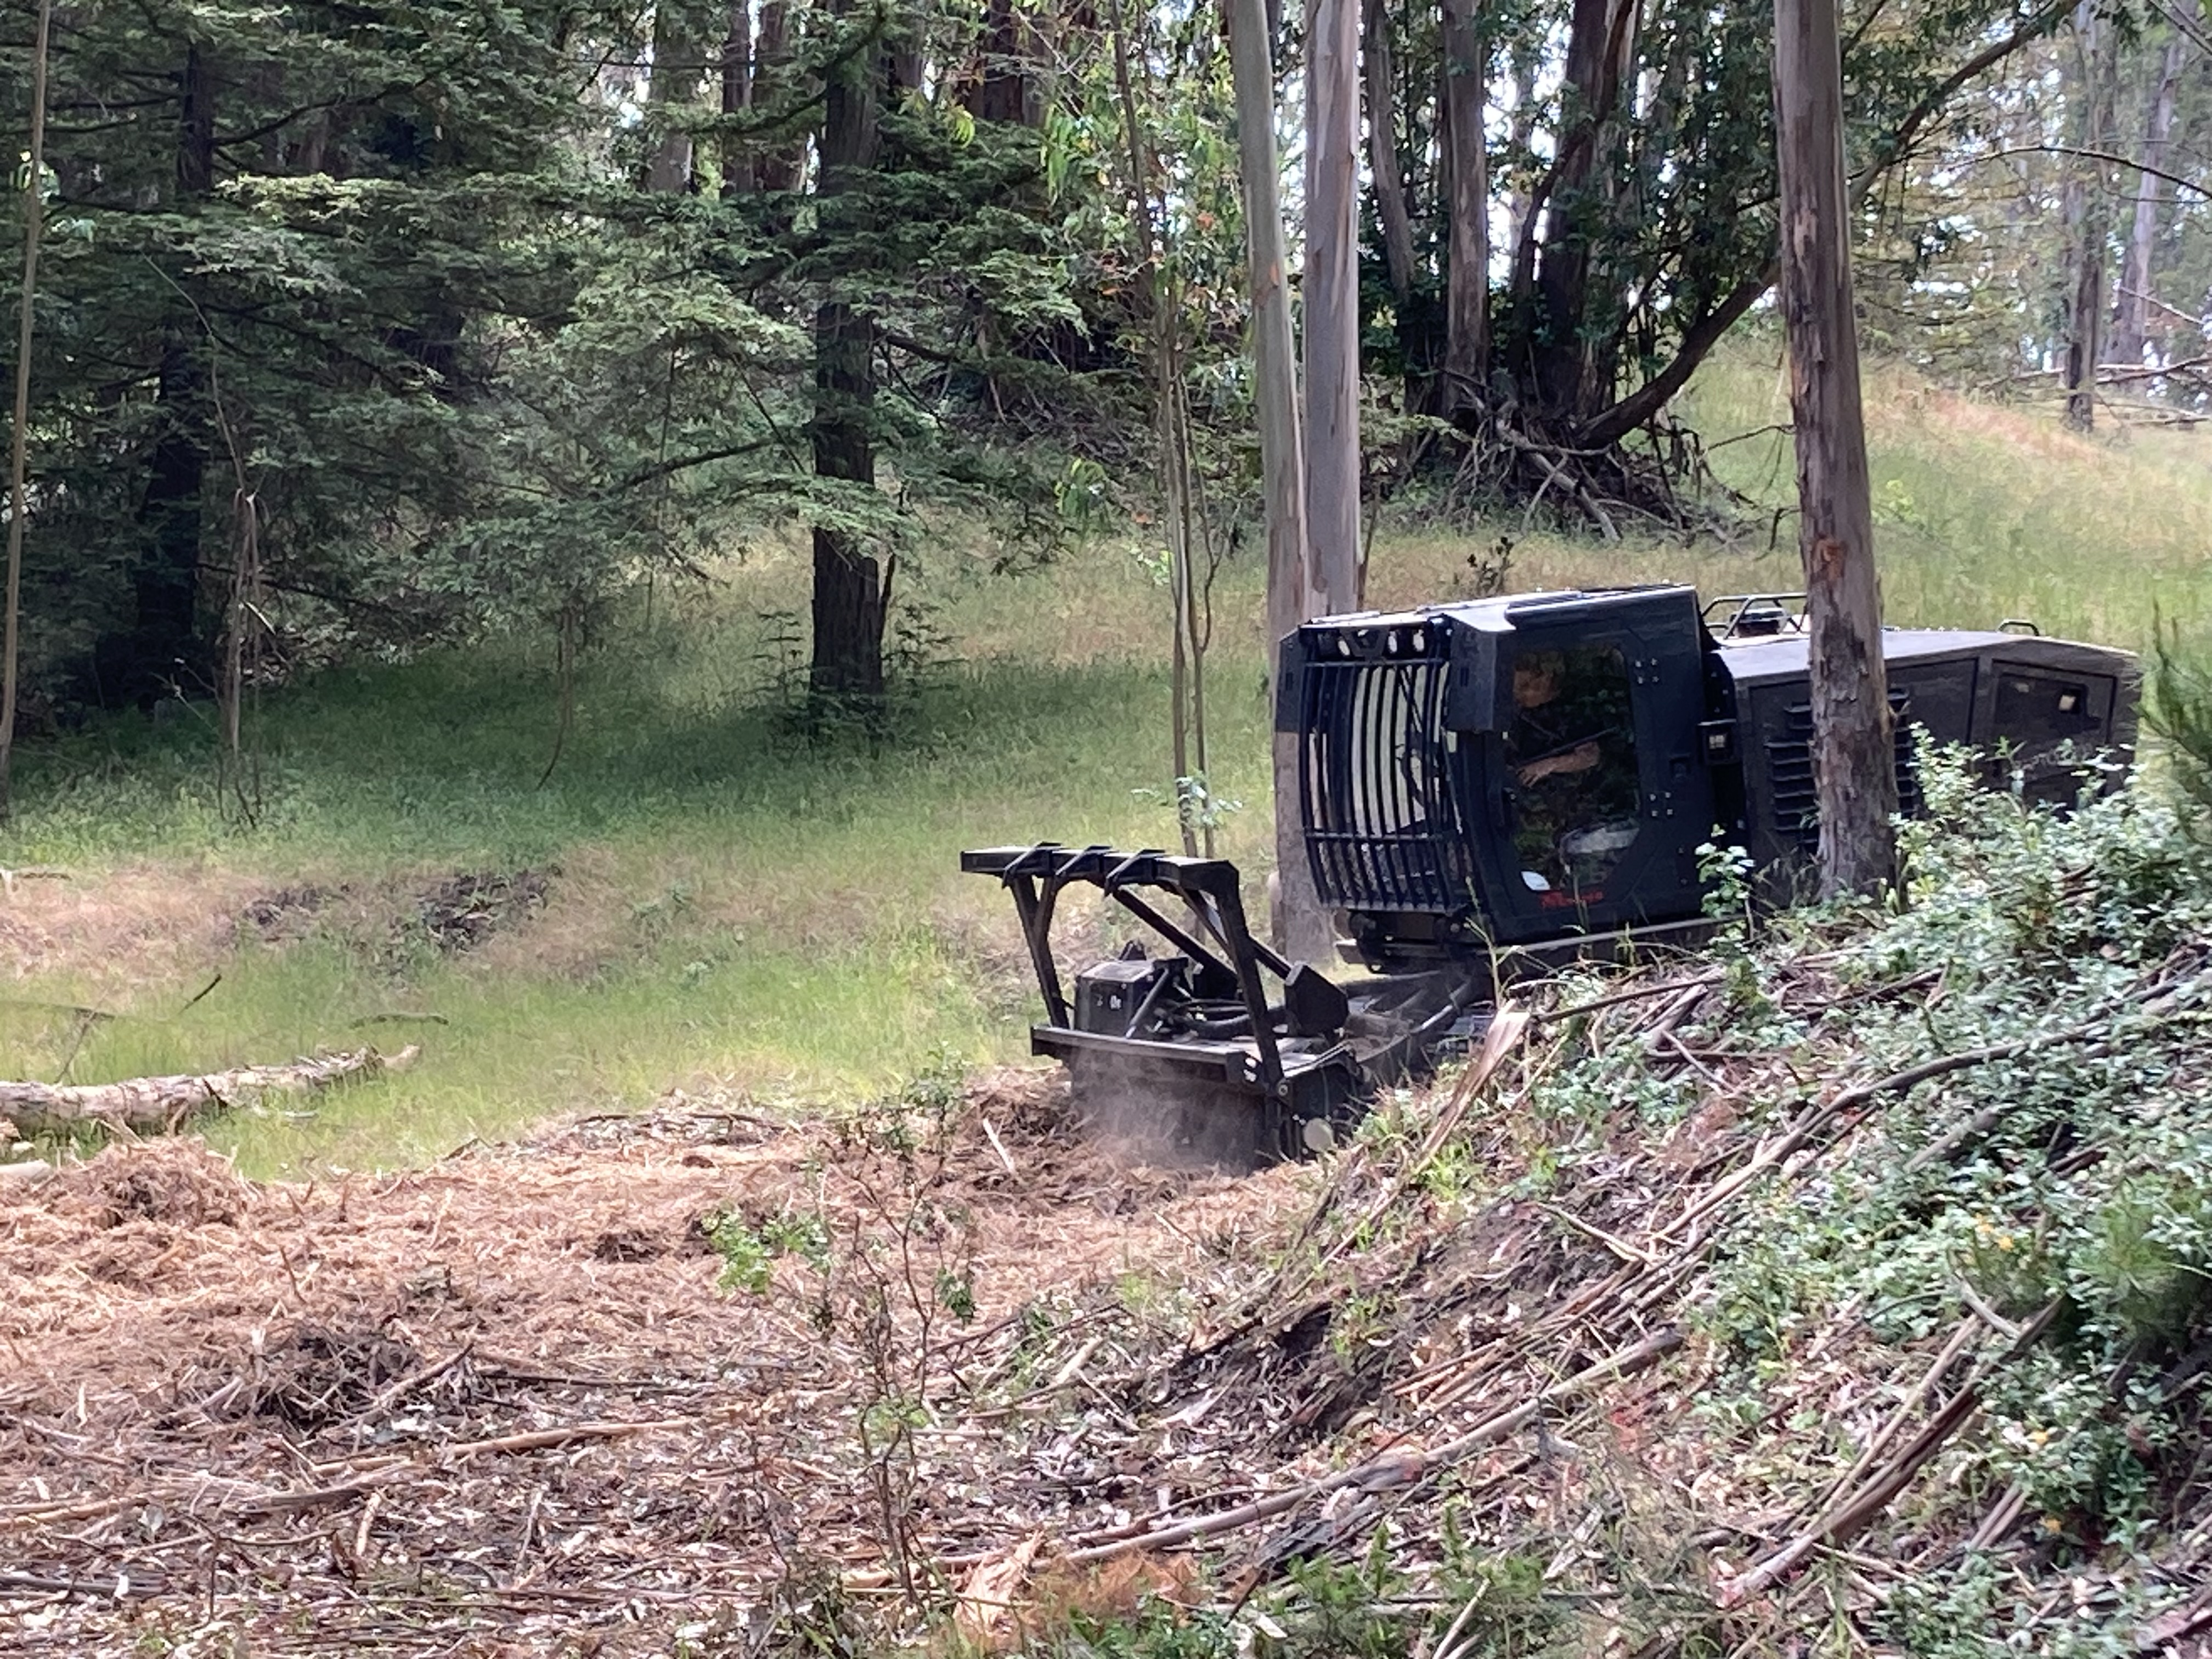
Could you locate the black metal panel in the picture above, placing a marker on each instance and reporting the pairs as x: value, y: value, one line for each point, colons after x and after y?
x: 1793, y: 805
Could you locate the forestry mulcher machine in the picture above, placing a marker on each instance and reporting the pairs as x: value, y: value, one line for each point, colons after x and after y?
x: 1488, y: 789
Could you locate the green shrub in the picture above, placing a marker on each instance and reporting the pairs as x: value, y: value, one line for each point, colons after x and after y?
x: 2178, y: 708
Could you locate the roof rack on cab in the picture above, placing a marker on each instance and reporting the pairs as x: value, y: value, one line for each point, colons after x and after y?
x: 1754, y: 616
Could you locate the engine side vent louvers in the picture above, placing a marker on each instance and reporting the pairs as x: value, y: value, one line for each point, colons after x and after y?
x: 1790, y: 768
x: 1382, y: 828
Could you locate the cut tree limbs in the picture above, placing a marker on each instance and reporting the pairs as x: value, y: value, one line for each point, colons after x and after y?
x: 158, y: 1104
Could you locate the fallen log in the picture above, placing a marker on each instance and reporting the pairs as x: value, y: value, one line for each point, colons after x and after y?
x: 157, y: 1104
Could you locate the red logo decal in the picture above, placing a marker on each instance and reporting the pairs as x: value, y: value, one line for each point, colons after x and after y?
x: 1556, y: 900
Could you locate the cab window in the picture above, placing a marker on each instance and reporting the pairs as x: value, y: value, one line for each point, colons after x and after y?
x: 1571, y: 769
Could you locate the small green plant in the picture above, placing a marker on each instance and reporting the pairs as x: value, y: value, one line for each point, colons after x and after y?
x: 749, y: 1249
x: 1726, y: 873
x: 1334, y: 1609
x: 1198, y: 807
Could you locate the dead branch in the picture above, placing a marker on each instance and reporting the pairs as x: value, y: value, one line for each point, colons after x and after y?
x: 1636, y: 993
x: 1401, y: 1467
x: 1854, y: 1512
x: 159, y: 1104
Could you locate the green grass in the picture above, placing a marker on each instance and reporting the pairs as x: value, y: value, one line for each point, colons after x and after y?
x: 733, y: 909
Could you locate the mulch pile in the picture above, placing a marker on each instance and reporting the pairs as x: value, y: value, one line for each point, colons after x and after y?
x: 503, y: 1400
x: 970, y: 1363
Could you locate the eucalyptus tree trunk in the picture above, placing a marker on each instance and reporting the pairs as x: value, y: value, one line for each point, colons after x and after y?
x: 2132, y: 320
x: 2088, y: 206
x: 34, y: 224
x: 1172, y: 452
x: 1293, y: 593
x: 1527, y: 61
x: 1331, y: 294
x: 1599, y: 44
x: 847, y: 669
x: 1384, y: 161
x: 1467, y: 277
x: 1854, y: 756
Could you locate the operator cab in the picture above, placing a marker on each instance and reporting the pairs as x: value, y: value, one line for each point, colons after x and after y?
x: 1534, y: 771
x: 1502, y: 771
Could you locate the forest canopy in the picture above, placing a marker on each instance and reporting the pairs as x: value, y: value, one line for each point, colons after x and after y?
x: 363, y: 326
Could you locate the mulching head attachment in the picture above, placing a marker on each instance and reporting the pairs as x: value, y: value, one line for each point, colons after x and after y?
x: 1219, y: 1049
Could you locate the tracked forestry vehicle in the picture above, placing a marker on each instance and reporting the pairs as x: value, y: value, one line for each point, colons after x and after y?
x: 1489, y: 789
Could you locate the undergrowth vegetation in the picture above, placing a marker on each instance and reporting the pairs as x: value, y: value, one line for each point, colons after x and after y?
x: 2033, y: 1165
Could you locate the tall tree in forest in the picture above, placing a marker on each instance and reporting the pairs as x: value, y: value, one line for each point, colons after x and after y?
x: 1384, y: 164
x: 1294, y: 590
x: 164, y: 648
x: 1853, y: 753
x: 1330, y: 293
x: 1568, y: 374
x: 2131, y: 313
x: 11, y: 598
x: 1467, y: 171
x: 1634, y: 172
x: 2088, y: 208
x: 1163, y: 315
x: 738, y: 177
x: 850, y: 586
x: 681, y: 30
x: 777, y: 167
x: 1006, y: 88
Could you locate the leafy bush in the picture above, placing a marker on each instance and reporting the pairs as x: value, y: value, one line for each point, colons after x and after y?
x: 2068, y: 1170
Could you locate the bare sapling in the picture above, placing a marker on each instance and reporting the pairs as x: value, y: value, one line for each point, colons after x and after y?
x: 11, y: 606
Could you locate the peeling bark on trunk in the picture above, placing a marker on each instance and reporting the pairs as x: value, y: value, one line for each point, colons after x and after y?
x: 155, y: 1105
x: 1854, y: 758
x: 1331, y: 294
x: 2132, y: 321
x: 1467, y: 292
x: 1301, y: 929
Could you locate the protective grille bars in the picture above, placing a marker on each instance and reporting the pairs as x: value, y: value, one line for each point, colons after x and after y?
x: 1381, y: 828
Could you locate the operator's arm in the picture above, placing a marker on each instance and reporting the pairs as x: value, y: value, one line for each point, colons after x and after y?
x: 1580, y: 758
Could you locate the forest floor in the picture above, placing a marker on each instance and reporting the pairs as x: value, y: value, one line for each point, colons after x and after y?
x: 1621, y: 1341
x: 509, y: 1398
